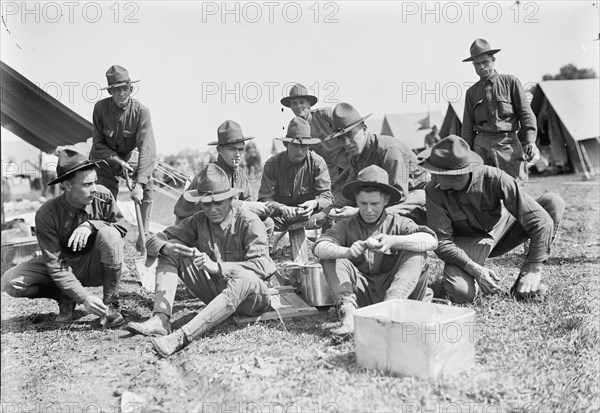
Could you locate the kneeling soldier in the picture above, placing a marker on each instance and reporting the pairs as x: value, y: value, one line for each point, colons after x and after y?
x: 222, y: 256
x: 374, y: 256
x: 80, y: 237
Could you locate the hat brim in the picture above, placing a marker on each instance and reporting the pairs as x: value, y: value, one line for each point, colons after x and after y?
x: 303, y: 141
x: 345, y: 129
x: 114, y: 85
x: 195, y: 196
x: 286, y: 101
x: 242, y: 139
x: 490, y: 52
x: 475, y: 164
x: 351, y: 187
x: 83, y: 166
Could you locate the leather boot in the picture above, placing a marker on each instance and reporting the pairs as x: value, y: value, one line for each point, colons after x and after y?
x: 346, y: 312
x: 157, y: 325
x: 66, y: 307
x: 111, y: 276
x: 167, y: 345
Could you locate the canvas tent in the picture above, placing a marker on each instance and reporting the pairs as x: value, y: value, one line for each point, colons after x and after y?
x: 569, y: 124
x: 452, y: 124
x: 406, y: 127
x: 35, y: 116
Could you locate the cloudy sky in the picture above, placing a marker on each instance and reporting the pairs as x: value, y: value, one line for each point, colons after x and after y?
x: 201, y: 63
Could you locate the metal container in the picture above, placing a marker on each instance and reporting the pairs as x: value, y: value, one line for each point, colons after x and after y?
x: 315, y: 289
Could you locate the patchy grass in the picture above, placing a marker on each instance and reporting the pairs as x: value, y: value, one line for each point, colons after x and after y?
x: 529, y: 357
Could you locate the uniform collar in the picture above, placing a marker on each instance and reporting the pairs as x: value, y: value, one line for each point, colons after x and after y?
x: 73, y: 210
x: 377, y: 223
x: 223, y: 165
x: 370, y: 144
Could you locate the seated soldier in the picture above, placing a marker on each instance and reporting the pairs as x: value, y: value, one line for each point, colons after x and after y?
x: 395, y: 157
x: 230, y: 147
x: 296, y: 182
x: 80, y: 236
x: 374, y: 256
x: 478, y: 212
x: 222, y: 256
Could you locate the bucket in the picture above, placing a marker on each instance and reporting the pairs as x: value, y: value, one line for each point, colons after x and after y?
x: 315, y: 289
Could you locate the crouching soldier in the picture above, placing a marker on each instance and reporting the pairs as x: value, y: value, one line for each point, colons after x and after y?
x: 374, y: 256
x: 296, y: 182
x: 222, y: 256
x: 80, y: 237
x: 479, y: 211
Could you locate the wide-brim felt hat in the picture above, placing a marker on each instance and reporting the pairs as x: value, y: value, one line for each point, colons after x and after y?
x: 345, y: 117
x: 298, y: 91
x: 229, y: 132
x: 372, y: 176
x: 212, y: 185
x: 71, y: 161
x: 479, y: 48
x: 298, y: 131
x: 450, y: 156
x: 117, y: 76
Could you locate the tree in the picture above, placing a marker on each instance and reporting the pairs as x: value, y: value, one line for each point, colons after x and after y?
x: 571, y: 71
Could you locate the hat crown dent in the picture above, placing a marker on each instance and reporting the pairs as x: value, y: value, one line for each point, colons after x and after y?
x: 212, y: 180
x: 117, y: 74
x: 69, y: 159
x: 298, y: 90
x: 344, y: 114
x: 229, y: 130
x: 298, y: 128
x: 373, y: 174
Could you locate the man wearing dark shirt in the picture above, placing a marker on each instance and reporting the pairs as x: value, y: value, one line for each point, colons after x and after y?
x: 296, y: 182
x: 374, y: 256
x: 222, y: 256
x: 387, y: 152
x: 230, y: 147
x: 496, y: 108
x: 80, y: 236
x: 321, y: 127
x: 121, y: 124
x: 478, y: 211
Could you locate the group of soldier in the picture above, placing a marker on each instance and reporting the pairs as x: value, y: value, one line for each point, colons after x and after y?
x: 380, y: 207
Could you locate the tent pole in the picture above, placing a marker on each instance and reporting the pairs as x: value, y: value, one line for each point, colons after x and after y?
x: 583, y: 163
x: 587, y: 159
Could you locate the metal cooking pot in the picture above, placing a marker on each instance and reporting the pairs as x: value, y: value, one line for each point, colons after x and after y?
x: 313, y: 284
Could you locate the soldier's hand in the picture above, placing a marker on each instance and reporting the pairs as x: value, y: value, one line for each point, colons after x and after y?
x: 125, y: 167
x: 344, y: 212
x: 79, y: 237
x: 175, y: 250
x: 380, y: 243
x: 306, y: 208
x: 316, y: 221
x: 357, y: 249
x: 203, y: 261
x: 532, y: 153
x: 137, y: 193
x: 485, y: 278
x: 95, y: 305
x: 289, y: 213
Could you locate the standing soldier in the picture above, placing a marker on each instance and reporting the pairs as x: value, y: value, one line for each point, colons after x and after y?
x: 122, y: 124
x: 496, y: 108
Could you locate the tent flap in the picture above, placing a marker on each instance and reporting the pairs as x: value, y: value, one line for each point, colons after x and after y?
x: 36, y: 117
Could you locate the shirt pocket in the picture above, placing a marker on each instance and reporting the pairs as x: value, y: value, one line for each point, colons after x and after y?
x: 505, y: 107
x: 129, y: 139
x: 479, y: 112
x: 109, y: 137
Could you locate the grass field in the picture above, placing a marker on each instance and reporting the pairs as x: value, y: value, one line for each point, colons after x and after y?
x: 529, y: 357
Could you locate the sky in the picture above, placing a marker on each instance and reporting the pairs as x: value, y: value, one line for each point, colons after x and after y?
x: 201, y: 63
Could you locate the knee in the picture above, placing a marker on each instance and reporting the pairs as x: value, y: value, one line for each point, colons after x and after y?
x: 109, y: 236
x: 553, y: 204
x: 13, y: 285
x: 460, y: 287
x: 245, y: 279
